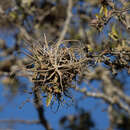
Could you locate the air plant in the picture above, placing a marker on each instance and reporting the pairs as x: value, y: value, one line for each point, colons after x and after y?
x: 54, y: 67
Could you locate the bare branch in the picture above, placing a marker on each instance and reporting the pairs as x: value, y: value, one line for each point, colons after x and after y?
x: 109, y: 100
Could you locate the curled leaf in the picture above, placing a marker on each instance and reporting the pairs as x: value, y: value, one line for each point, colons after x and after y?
x: 48, y: 100
x: 114, y: 34
x: 105, y: 11
x: 13, y: 15
x: 101, y: 10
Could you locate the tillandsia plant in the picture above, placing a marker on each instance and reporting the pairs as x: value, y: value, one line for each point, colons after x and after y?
x: 54, y: 67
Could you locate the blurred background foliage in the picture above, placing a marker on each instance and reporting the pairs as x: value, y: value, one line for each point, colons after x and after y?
x: 102, y: 27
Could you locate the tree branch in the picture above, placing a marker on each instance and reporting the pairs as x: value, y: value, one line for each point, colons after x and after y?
x: 40, y: 109
x: 106, y: 98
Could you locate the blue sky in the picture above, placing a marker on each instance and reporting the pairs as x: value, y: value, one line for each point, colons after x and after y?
x: 28, y: 112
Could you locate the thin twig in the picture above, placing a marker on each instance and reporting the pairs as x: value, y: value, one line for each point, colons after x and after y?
x: 66, y: 24
x: 69, y: 15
